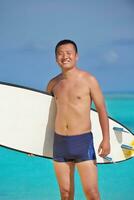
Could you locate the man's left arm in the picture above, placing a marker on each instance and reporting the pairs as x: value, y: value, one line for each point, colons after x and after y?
x: 98, y: 99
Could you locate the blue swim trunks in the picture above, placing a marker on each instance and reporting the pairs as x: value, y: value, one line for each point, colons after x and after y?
x: 76, y: 148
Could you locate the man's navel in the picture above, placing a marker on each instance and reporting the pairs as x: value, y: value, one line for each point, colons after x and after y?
x: 67, y: 126
x: 78, y: 97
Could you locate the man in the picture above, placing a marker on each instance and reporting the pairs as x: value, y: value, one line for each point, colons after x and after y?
x: 74, y: 91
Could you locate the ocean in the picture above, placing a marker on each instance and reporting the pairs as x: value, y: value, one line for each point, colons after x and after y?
x: 24, y: 177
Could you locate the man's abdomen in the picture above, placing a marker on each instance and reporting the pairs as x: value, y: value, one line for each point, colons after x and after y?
x: 71, y: 122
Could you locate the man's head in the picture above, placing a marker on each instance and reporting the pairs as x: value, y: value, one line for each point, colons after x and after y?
x: 66, y: 54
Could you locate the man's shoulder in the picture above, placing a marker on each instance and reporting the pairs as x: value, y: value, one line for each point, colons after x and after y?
x: 52, y: 83
x: 88, y: 76
x: 54, y: 79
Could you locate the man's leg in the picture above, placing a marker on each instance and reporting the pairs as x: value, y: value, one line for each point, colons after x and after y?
x: 65, y: 177
x: 88, y: 174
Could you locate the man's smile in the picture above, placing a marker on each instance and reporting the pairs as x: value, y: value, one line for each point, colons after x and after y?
x: 66, y: 61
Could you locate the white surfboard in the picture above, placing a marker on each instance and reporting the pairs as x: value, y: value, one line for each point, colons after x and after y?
x: 27, y: 124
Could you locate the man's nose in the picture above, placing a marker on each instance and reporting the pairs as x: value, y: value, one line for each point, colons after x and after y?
x: 65, y: 55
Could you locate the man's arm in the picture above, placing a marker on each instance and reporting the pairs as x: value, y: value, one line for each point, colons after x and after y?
x: 98, y: 99
x: 50, y: 87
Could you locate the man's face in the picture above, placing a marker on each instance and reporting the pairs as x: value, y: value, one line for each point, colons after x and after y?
x: 66, y: 56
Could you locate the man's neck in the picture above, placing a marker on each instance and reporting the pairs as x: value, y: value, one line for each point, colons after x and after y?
x: 69, y: 73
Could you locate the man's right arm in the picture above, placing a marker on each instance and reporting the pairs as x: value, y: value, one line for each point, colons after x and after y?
x: 51, y: 85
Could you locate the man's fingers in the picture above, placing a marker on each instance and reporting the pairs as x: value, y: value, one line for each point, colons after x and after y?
x: 104, y: 153
x: 103, y: 150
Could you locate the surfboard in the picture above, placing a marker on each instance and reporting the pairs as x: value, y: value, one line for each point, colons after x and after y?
x: 27, y: 119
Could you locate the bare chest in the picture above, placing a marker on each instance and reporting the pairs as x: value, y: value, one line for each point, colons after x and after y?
x: 67, y: 90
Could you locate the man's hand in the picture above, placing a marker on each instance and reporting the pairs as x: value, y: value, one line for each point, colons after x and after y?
x: 104, y: 148
x: 30, y: 154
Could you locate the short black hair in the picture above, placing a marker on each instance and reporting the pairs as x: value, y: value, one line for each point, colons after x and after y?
x: 66, y: 41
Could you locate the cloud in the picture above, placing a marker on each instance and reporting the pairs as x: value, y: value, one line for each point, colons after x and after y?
x: 110, y: 56
x: 34, y: 47
x: 27, y: 47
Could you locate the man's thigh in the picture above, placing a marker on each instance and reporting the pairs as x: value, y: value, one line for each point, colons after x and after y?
x: 88, y: 174
x: 64, y: 173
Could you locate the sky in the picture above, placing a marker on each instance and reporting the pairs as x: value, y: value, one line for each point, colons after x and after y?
x: 103, y: 31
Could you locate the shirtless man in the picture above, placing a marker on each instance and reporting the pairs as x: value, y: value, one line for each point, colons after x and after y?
x: 74, y: 91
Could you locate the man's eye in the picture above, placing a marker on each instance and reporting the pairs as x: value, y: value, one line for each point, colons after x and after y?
x: 59, y: 54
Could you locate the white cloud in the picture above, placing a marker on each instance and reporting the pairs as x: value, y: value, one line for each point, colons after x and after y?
x: 110, y: 56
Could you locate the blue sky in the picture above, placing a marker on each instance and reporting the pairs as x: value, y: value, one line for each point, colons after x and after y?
x: 103, y: 31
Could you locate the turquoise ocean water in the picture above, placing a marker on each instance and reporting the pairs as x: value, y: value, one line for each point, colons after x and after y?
x: 32, y: 178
